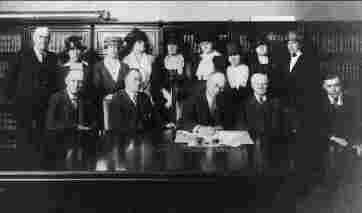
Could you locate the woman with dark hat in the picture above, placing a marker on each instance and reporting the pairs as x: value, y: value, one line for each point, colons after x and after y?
x: 237, y: 73
x: 167, y: 80
x: 108, y: 74
x: 137, y: 56
x: 262, y: 62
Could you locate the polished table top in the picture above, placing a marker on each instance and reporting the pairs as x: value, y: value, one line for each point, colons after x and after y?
x: 133, y: 155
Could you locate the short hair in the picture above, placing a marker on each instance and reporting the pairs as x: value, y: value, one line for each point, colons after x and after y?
x: 257, y: 75
x: 74, y: 42
x: 294, y: 35
x: 40, y: 30
x: 331, y: 75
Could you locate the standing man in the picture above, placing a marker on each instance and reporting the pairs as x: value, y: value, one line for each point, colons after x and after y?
x: 29, y: 85
x: 302, y: 93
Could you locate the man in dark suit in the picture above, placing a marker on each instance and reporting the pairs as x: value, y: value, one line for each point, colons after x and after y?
x: 341, y: 123
x: 29, y: 85
x: 303, y: 98
x: 263, y: 116
x: 68, y: 124
x: 206, y: 112
x: 131, y: 110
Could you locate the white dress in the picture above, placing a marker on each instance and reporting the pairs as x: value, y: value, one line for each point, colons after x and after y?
x: 237, y: 76
x: 206, y: 65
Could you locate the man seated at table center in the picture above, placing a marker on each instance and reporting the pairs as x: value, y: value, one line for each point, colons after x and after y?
x: 205, y: 112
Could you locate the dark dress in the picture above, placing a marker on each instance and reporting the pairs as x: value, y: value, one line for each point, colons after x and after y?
x: 163, y: 78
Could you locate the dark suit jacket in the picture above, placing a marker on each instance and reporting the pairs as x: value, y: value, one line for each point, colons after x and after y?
x: 31, y: 83
x: 267, y: 119
x: 62, y: 114
x: 103, y: 84
x: 196, y: 111
x: 303, y: 84
x: 124, y: 115
x: 342, y: 121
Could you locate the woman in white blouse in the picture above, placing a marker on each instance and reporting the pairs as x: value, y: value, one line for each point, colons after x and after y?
x: 237, y: 73
x: 137, y: 56
x: 205, y: 64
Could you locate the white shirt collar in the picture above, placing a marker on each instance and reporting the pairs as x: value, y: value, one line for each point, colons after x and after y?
x: 38, y: 54
x: 339, y: 100
x: 131, y: 95
x: 260, y: 97
x: 293, y: 60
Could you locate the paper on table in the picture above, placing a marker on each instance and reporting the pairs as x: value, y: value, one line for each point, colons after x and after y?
x: 185, y: 137
x: 234, y: 138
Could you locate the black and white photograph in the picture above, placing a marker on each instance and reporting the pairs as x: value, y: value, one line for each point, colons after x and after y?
x: 181, y: 106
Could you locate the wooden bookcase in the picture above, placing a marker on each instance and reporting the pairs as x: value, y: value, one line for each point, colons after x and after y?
x: 338, y: 45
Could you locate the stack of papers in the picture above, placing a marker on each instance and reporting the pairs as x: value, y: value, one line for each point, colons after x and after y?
x: 220, y: 138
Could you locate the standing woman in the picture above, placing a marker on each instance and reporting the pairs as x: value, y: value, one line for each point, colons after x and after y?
x: 108, y: 75
x: 204, y: 63
x: 237, y: 73
x: 137, y: 56
x: 167, y: 81
x: 72, y: 58
x: 261, y: 62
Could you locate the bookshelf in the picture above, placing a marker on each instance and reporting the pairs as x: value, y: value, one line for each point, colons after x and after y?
x: 338, y: 45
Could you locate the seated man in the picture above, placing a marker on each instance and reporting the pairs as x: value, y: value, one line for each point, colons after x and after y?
x: 205, y: 112
x: 66, y: 116
x: 341, y: 116
x: 263, y: 117
x: 132, y: 110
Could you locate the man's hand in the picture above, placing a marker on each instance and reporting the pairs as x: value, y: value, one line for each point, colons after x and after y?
x: 81, y: 127
x: 170, y: 125
x: 108, y: 97
x: 340, y: 141
x: 168, y: 98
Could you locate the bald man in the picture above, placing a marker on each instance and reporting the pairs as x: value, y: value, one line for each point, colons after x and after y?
x: 263, y: 117
x: 206, y: 112
x: 29, y: 85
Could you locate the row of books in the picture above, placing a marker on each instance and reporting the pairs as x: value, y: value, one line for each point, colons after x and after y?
x: 348, y: 71
x: 7, y: 121
x: 338, y: 42
x: 10, y: 43
x: 4, y: 67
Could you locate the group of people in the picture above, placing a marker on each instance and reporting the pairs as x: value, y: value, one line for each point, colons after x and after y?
x: 292, y: 110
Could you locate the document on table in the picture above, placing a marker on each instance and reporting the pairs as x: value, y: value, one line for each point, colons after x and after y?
x: 224, y: 138
x: 234, y: 138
